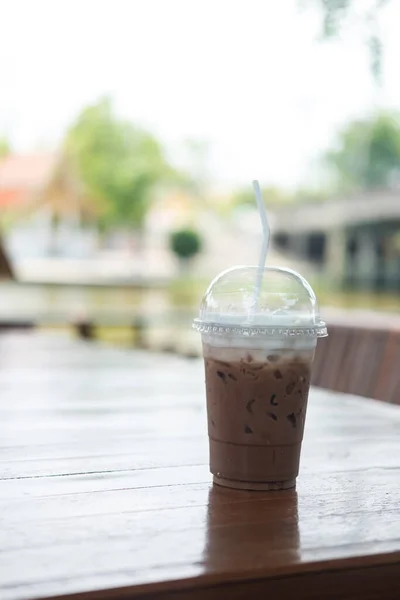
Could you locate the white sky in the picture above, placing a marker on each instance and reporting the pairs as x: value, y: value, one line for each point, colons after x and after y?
x: 248, y: 76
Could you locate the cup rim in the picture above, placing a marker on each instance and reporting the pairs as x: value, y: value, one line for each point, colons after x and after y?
x: 316, y: 330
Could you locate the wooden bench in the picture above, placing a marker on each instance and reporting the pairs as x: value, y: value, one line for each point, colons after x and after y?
x: 360, y: 356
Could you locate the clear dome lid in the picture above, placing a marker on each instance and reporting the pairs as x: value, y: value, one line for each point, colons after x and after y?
x: 286, y: 305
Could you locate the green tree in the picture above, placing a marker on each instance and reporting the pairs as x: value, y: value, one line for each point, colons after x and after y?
x: 308, y: 194
x: 272, y: 196
x: 336, y: 14
x: 367, y: 153
x: 185, y: 243
x: 119, y: 165
x: 5, y: 148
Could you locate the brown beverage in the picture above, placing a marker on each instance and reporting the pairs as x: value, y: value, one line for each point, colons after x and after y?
x: 256, y: 404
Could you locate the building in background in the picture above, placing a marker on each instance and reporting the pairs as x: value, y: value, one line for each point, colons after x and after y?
x: 22, y: 180
x: 41, y: 206
x: 354, y: 240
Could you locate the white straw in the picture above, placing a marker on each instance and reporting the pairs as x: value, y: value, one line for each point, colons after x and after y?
x: 265, y: 244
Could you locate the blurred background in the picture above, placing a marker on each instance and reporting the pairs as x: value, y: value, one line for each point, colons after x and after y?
x: 130, y: 132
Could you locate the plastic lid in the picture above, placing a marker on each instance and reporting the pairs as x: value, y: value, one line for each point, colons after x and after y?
x: 287, y: 305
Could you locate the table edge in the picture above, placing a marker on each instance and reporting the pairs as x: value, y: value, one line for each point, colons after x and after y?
x: 213, y: 580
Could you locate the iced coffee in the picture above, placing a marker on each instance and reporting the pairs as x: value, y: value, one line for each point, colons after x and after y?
x: 256, y: 406
x: 257, y: 375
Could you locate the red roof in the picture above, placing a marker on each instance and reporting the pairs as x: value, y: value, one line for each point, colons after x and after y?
x: 11, y: 198
x: 22, y: 175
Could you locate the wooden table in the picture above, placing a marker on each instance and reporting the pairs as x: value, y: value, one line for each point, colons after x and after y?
x: 105, y: 491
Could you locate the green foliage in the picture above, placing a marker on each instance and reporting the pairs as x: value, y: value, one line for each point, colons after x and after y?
x: 308, y: 195
x: 335, y: 15
x: 5, y: 148
x: 368, y: 153
x: 185, y: 243
x: 119, y: 164
x: 272, y: 196
x: 187, y: 290
x: 275, y: 197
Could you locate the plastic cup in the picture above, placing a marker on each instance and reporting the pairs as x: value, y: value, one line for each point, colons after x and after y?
x: 257, y: 370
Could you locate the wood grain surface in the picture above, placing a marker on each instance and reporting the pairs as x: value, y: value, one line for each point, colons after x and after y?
x: 361, y: 357
x: 105, y: 491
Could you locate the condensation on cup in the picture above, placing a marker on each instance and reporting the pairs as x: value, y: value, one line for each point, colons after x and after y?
x: 258, y: 364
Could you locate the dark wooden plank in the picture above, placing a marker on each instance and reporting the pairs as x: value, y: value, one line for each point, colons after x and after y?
x: 325, y: 494
x: 345, y: 374
x: 393, y: 378
x: 221, y: 531
x: 6, y: 271
x: 361, y: 364
x: 360, y: 356
x: 104, y: 484
x: 364, y: 582
x: 370, y: 373
x: 192, y: 451
x: 333, y: 350
x: 370, y: 583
